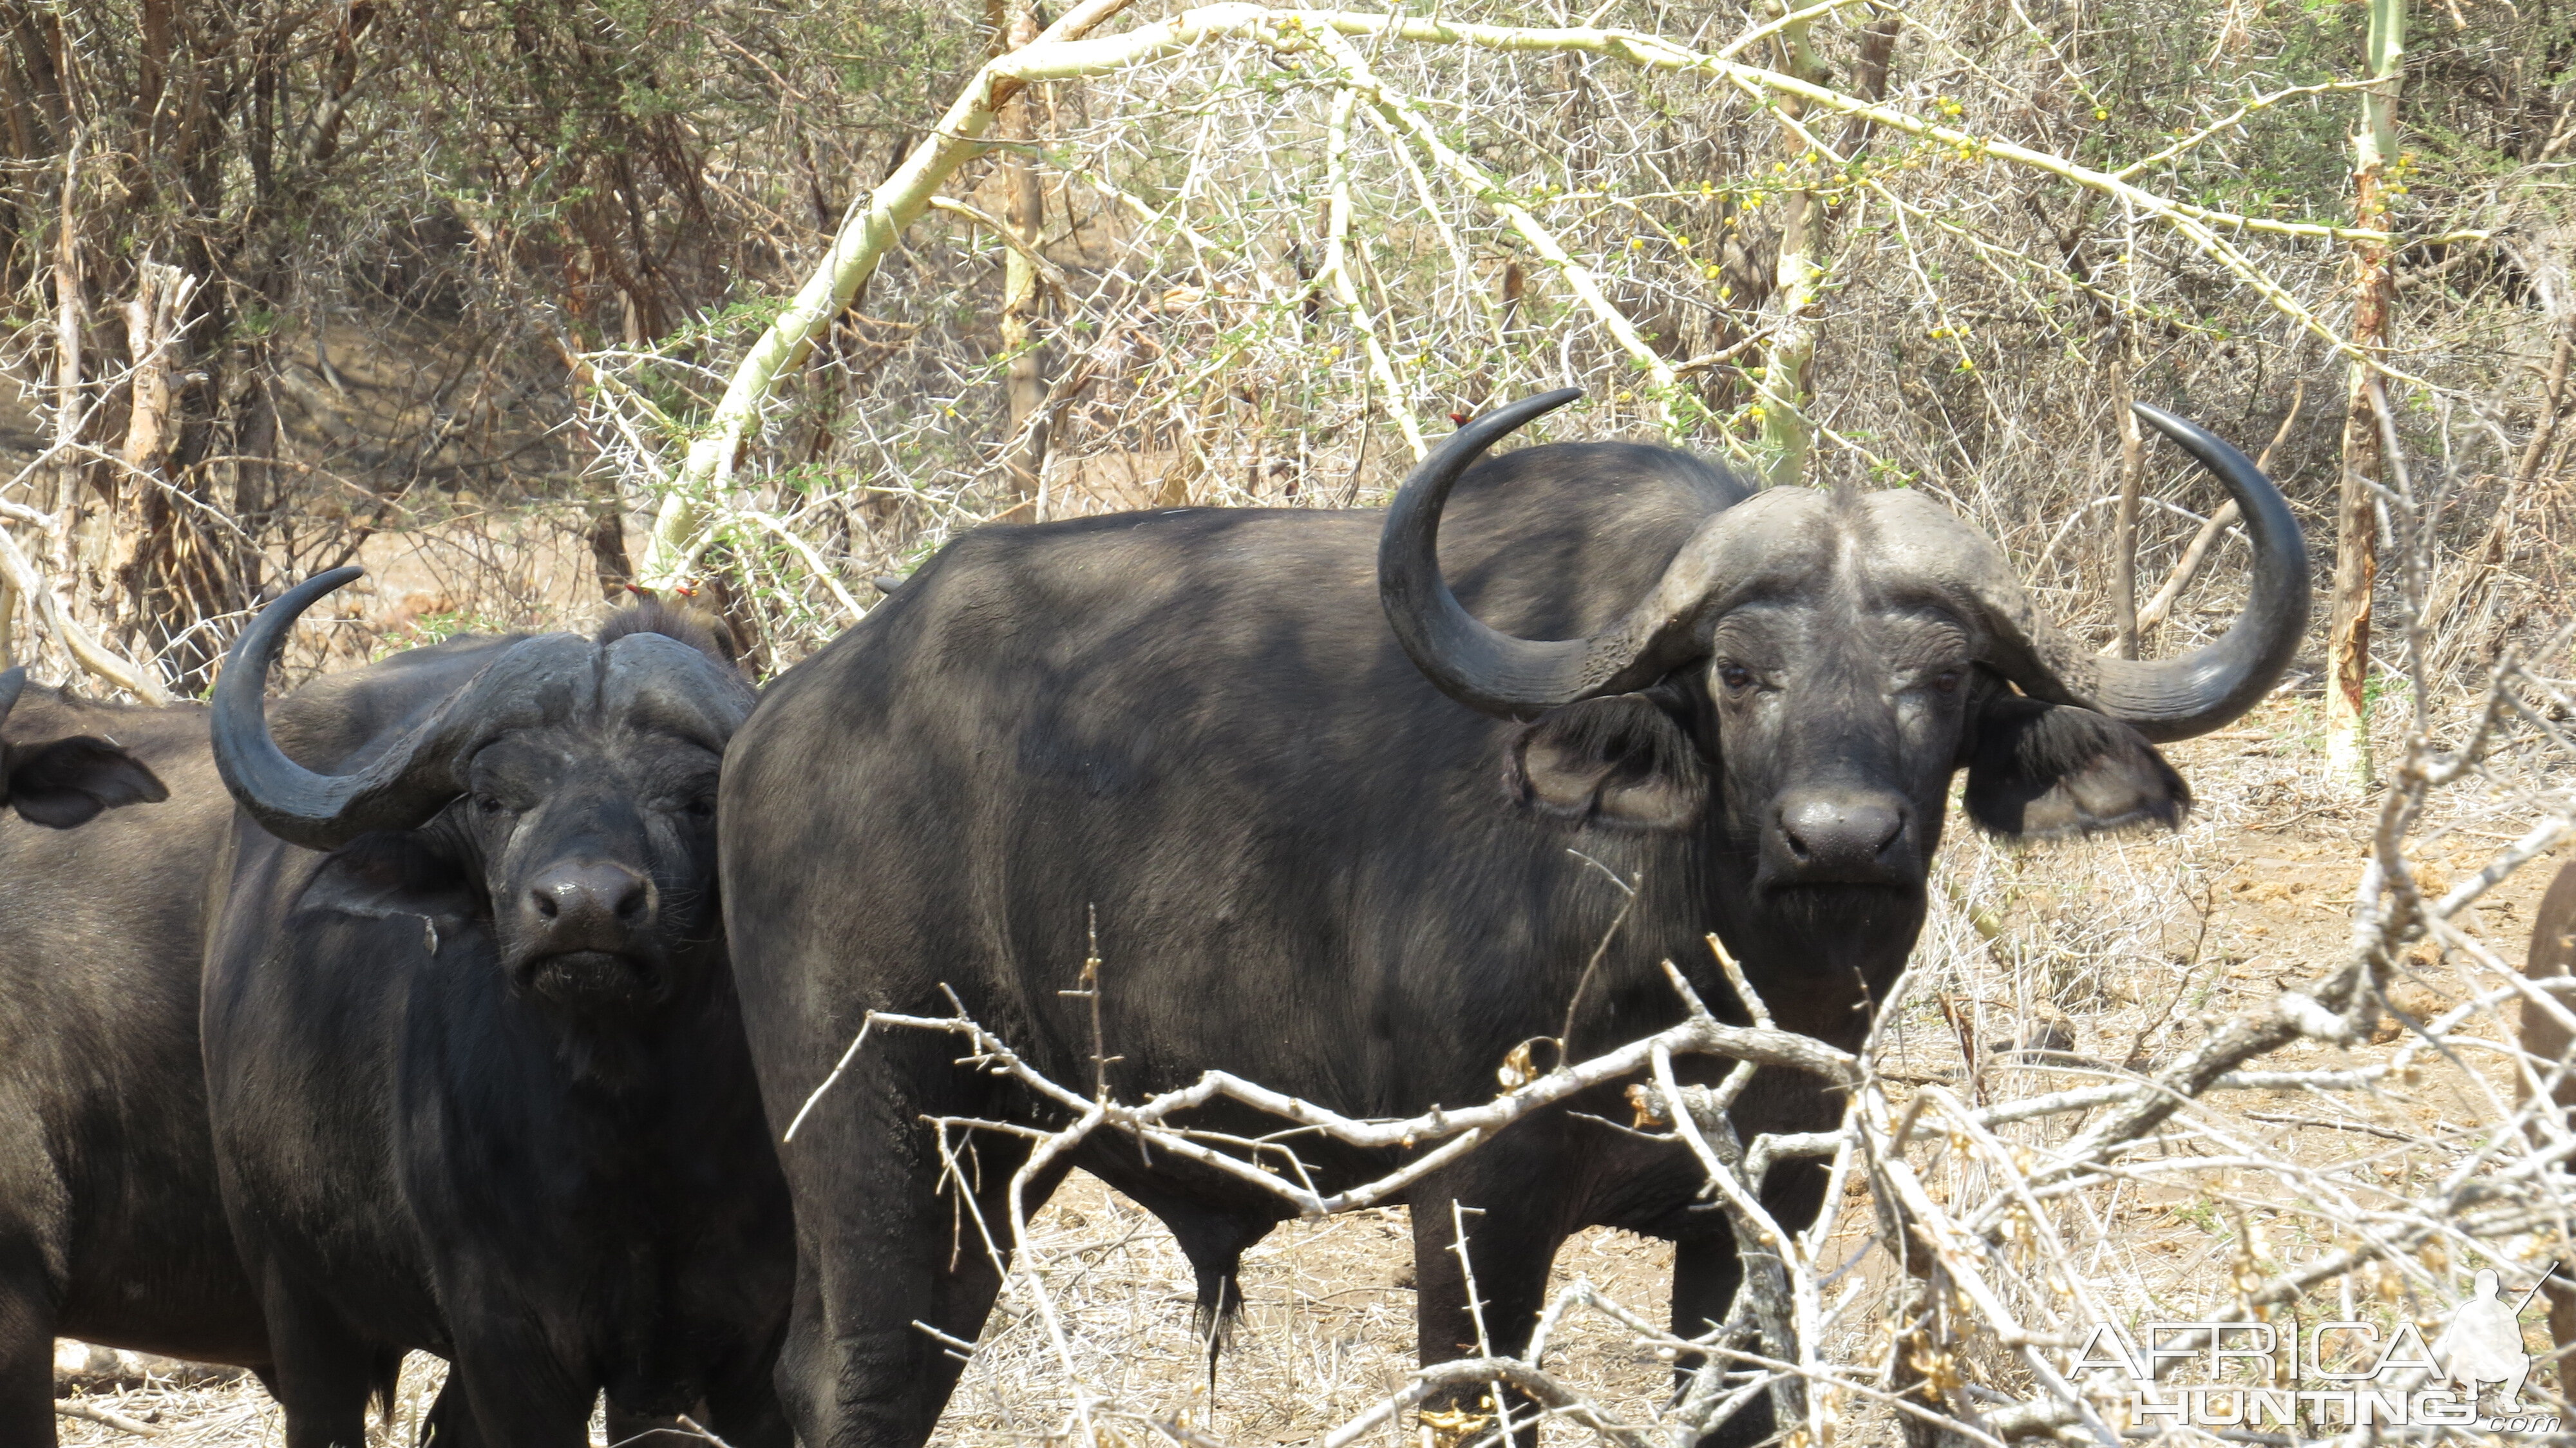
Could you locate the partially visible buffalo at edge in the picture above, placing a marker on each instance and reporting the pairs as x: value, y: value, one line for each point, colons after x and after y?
x: 111, y: 1229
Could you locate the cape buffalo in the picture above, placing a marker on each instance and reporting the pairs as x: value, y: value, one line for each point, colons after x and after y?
x: 1343, y: 838
x: 476, y: 1074
x: 110, y: 1225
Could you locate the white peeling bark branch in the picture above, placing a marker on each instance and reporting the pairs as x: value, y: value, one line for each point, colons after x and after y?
x: 1337, y: 271
x: 693, y: 501
x: 22, y: 577
x: 870, y: 228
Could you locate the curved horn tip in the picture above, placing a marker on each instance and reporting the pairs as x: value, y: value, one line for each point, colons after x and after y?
x: 281, y: 612
x: 1513, y: 416
x: 327, y: 581
x: 2170, y: 424
x: 2203, y: 690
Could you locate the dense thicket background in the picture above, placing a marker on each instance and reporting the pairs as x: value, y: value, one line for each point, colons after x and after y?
x: 453, y: 284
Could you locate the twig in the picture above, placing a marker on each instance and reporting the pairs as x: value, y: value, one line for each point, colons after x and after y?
x: 75, y: 1408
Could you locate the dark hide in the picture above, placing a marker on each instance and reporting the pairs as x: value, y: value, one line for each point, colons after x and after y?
x: 110, y: 1225
x: 60, y: 783
x: 1314, y: 870
x: 65, y: 782
x: 452, y: 1119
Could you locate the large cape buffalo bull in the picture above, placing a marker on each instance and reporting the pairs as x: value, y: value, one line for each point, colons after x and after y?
x: 1343, y: 838
x: 110, y: 1226
x: 476, y: 1073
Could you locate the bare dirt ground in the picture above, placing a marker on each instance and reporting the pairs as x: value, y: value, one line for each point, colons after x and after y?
x: 2115, y: 954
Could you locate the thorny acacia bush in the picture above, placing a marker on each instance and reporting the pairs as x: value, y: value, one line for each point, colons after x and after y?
x: 399, y: 223
x: 1981, y: 321
x: 452, y: 263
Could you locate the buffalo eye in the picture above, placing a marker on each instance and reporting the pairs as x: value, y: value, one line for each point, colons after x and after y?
x: 1946, y: 681
x: 489, y: 805
x: 1735, y: 677
x: 700, y: 809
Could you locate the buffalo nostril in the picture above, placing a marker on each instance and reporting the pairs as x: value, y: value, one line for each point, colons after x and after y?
x: 1841, y: 833
x: 583, y: 897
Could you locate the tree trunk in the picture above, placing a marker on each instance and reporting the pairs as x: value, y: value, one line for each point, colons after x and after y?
x: 608, y: 549
x: 1026, y: 385
x: 65, y: 501
x: 145, y: 562
x: 1788, y: 433
x: 2364, y: 461
x: 2124, y: 526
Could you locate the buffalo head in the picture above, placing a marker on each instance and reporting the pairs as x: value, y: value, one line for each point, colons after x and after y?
x: 570, y: 782
x: 1813, y: 666
x: 67, y: 782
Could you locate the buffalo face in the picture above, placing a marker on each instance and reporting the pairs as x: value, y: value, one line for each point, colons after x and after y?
x: 1823, y: 725
x: 1835, y: 727
x: 597, y: 851
x: 1814, y: 666
x: 564, y: 795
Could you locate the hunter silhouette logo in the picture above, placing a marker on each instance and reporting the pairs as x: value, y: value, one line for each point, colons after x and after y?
x: 2483, y: 1344
x: 2338, y: 1375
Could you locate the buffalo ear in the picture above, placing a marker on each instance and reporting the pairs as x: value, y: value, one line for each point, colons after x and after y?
x: 1620, y: 760
x: 70, y: 781
x: 390, y: 873
x: 2041, y: 770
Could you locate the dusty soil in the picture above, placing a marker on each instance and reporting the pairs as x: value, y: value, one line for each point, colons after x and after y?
x: 2114, y: 953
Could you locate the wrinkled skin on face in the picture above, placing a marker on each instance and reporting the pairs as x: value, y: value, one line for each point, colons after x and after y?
x: 565, y: 802
x: 1832, y: 707
x: 596, y: 849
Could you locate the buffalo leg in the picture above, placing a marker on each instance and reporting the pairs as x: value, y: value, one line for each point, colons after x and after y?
x: 856, y: 1372
x: 1707, y: 1271
x: 647, y: 1430
x: 2553, y: 954
x: 1705, y: 1274
x: 325, y: 1371
x: 745, y: 1412
x: 1510, y: 1247
x: 26, y: 1349
x: 520, y: 1395
x: 450, y: 1421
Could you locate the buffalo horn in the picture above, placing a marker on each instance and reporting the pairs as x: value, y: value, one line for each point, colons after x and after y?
x: 1520, y: 678
x: 1517, y: 678
x: 408, y: 782
x: 2177, y: 698
x: 1479, y: 666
